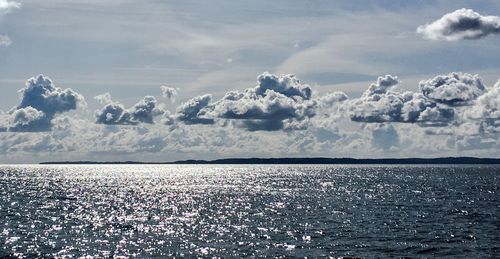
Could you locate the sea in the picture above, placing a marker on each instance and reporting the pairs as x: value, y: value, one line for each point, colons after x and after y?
x: 234, y: 211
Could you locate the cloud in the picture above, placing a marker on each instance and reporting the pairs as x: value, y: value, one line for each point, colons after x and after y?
x: 316, y: 125
x: 383, y: 84
x: 475, y: 143
x: 249, y: 106
x: 104, y: 98
x: 114, y: 113
x: 332, y: 99
x: 5, y: 40
x: 277, y: 102
x: 380, y: 104
x: 192, y: 111
x: 287, y: 85
x: 41, y: 100
x: 259, y: 125
x: 453, y: 89
x: 7, y: 6
x: 41, y: 94
x: 169, y: 93
x: 385, y: 137
x: 29, y: 119
x: 283, y: 103
x: 168, y: 118
x: 486, y: 110
x: 459, y: 25
x: 79, y: 139
x: 144, y: 111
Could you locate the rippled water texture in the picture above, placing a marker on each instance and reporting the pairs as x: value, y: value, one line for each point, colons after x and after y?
x: 234, y: 211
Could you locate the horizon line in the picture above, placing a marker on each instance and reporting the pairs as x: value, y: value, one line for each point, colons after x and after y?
x: 304, y: 160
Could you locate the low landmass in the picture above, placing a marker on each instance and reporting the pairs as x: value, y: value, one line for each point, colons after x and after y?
x: 311, y: 160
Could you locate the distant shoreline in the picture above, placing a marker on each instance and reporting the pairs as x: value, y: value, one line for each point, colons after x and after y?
x: 312, y: 160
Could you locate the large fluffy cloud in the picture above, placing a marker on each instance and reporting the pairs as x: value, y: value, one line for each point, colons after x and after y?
x: 461, y: 24
x: 287, y: 85
x: 453, y: 89
x: 460, y: 103
x: 379, y: 103
x: 41, y: 94
x: 114, y: 113
x: 41, y: 100
x: 192, y: 111
x: 277, y: 102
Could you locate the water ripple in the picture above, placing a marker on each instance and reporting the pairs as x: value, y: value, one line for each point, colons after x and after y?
x: 249, y: 211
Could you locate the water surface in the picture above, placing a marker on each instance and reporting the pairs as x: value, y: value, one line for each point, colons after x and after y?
x: 249, y: 210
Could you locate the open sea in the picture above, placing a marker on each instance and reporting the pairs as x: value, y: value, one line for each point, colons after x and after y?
x: 145, y: 211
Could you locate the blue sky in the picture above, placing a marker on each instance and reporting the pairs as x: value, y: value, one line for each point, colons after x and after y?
x: 129, y: 49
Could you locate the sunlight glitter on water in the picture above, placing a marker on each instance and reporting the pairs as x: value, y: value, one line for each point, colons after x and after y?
x: 164, y: 210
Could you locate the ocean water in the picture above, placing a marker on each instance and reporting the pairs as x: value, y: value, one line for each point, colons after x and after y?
x: 249, y: 211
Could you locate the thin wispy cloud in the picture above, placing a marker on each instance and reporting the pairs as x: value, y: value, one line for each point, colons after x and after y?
x: 5, y: 40
x: 7, y: 6
x: 169, y: 93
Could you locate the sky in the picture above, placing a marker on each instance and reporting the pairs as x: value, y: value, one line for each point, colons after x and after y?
x: 159, y: 80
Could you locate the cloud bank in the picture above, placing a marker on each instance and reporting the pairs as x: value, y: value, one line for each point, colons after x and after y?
x: 459, y: 25
x: 448, y: 113
x: 276, y: 103
x: 284, y: 103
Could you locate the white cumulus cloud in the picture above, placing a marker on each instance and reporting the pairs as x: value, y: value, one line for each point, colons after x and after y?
x: 459, y: 25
